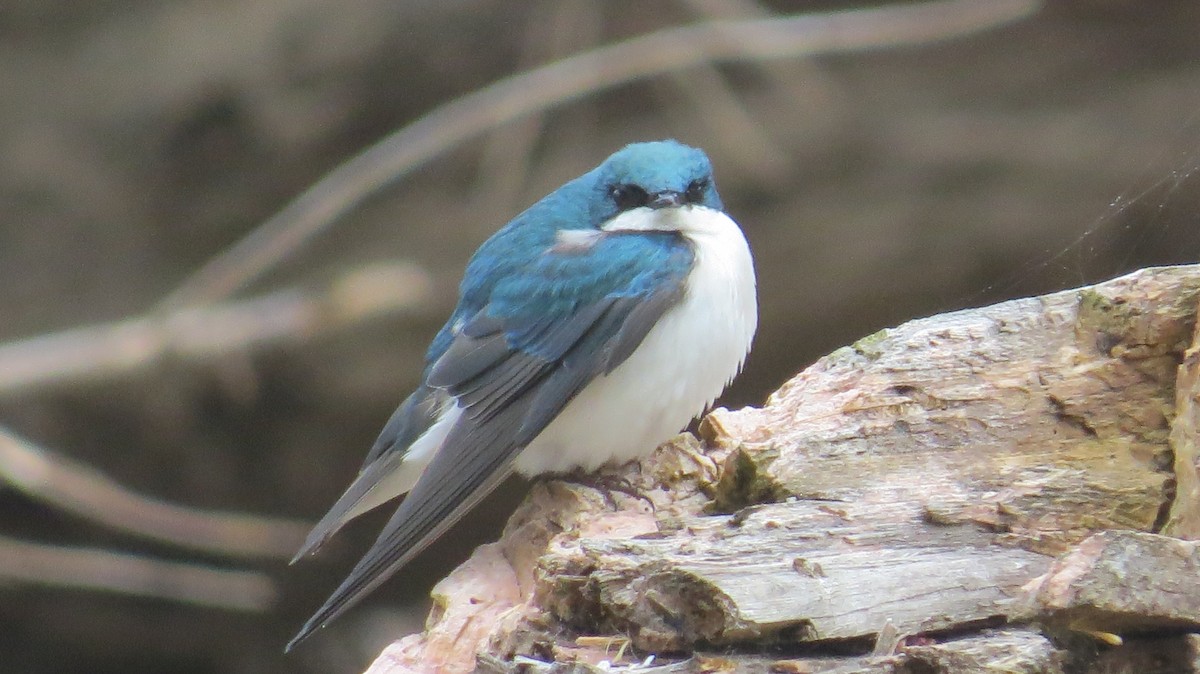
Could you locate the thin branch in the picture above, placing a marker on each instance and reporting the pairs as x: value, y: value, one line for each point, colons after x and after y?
x: 105, y: 350
x: 106, y: 571
x: 567, y: 80
x: 553, y: 31
x: 705, y: 92
x: 79, y: 489
x: 798, y: 85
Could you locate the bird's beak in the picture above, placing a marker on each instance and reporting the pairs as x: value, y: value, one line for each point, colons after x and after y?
x: 666, y: 199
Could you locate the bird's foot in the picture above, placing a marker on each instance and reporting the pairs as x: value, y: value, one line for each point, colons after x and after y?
x: 608, y: 483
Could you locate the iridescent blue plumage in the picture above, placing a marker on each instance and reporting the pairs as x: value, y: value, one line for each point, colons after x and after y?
x: 550, y: 306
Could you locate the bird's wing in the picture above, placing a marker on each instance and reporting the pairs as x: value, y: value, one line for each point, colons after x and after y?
x: 512, y: 368
x: 411, y: 419
x: 418, y: 412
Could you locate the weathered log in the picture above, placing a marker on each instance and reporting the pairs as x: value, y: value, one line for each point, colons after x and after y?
x: 886, y: 507
x: 791, y: 572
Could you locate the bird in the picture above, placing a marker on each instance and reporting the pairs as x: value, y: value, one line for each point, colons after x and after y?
x: 591, y: 328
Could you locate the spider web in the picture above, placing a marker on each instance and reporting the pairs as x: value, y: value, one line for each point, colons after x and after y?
x: 1156, y: 221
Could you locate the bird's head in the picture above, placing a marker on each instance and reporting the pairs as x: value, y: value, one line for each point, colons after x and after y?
x: 643, y: 178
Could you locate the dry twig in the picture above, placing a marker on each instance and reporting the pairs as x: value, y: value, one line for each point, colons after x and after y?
x: 109, y: 349
x: 77, y: 488
x: 106, y: 571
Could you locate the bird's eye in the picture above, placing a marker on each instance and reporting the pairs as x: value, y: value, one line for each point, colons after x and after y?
x: 628, y: 196
x: 695, y: 191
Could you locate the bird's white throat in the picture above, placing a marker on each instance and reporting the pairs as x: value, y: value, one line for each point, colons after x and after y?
x: 685, y: 219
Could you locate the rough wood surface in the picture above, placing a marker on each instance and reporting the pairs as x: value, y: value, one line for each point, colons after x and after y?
x: 886, y: 507
x: 1014, y: 651
x: 1042, y: 419
x: 791, y: 572
x: 1123, y: 581
x: 1184, y: 517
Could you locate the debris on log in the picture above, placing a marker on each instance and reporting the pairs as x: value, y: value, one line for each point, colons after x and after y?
x: 985, y: 490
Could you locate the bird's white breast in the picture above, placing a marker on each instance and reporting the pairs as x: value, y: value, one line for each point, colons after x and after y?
x: 685, y: 361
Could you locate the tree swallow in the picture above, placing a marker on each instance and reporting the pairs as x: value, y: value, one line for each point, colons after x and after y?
x: 589, y: 329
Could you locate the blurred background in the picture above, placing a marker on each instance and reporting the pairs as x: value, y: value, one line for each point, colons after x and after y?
x: 139, y: 140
